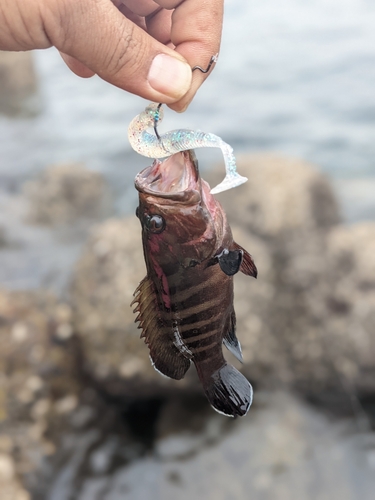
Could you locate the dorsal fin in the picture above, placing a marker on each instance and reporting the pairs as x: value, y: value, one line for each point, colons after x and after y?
x: 230, y: 340
x: 247, y: 265
x: 165, y: 354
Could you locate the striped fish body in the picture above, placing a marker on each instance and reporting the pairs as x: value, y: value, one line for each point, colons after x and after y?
x: 185, y: 303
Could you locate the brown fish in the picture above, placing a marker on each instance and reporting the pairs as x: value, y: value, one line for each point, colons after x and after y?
x: 185, y: 303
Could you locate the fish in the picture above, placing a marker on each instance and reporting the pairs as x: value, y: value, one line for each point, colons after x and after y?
x: 174, y: 141
x: 184, y: 305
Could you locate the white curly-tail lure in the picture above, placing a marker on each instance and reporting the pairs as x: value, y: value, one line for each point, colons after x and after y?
x: 154, y: 145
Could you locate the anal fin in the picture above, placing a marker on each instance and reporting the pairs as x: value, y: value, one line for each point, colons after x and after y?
x: 157, y: 332
x: 231, y: 341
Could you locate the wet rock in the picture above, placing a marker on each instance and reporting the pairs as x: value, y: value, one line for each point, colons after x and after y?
x: 37, y: 384
x: 17, y: 83
x: 67, y: 193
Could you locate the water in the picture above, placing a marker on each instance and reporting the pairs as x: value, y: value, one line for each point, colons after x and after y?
x: 297, y: 77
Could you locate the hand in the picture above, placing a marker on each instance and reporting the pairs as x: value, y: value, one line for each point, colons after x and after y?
x: 145, y: 47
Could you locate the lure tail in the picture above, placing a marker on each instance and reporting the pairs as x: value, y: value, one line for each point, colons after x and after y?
x: 227, y: 390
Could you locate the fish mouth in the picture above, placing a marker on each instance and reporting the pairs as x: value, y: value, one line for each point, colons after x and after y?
x: 175, y: 178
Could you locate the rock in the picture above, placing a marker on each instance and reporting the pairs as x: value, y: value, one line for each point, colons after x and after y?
x: 17, y: 82
x: 283, y: 449
x: 3, y: 238
x: 254, y: 305
x: 66, y: 194
x: 10, y: 485
x: 350, y: 304
x: 105, y: 278
x: 307, y: 321
x: 357, y: 197
x: 281, y: 195
x: 316, y: 331
x: 104, y: 281
x: 37, y: 375
x: 186, y: 426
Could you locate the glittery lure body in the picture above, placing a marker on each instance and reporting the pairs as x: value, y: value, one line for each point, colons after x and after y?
x: 175, y: 141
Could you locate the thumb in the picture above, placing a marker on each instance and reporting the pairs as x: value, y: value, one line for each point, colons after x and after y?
x: 97, y: 38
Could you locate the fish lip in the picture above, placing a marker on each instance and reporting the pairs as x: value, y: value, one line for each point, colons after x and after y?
x: 154, y: 180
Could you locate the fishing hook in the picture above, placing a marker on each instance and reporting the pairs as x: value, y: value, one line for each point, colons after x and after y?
x: 212, y: 61
x: 156, y: 118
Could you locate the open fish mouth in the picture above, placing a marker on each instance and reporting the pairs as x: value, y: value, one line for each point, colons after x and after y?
x: 172, y: 178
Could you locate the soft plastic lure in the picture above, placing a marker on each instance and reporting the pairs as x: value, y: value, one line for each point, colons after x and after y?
x: 156, y: 146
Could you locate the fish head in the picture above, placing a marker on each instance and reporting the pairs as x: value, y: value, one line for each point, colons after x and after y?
x: 180, y: 218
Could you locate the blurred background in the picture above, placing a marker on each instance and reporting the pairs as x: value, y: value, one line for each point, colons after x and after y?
x: 83, y: 416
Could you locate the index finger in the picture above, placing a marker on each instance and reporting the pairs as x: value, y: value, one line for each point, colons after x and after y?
x: 196, y: 35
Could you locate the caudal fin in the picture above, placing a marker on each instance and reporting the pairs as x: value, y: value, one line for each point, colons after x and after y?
x: 228, y: 391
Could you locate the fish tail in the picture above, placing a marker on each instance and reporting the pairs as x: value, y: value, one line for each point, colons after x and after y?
x: 228, y: 391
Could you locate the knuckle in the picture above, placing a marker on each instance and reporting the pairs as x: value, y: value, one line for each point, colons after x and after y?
x: 58, y: 21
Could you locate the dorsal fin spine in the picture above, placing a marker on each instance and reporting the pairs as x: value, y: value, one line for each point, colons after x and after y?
x: 157, y: 331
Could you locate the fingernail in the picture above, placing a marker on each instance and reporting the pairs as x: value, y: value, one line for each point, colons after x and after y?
x: 170, y: 76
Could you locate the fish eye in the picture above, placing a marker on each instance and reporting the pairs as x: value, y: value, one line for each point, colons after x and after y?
x: 156, y: 224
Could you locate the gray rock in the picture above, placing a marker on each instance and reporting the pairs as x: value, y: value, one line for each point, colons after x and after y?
x: 67, y: 193
x: 38, y: 388
x: 357, y: 197
x: 281, y: 195
x: 18, y: 83
x: 284, y: 449
x: 3, y: 238
x: 316, y: 330
x: 307, y: 322
x: 105, y: 278
x: 350, y: 304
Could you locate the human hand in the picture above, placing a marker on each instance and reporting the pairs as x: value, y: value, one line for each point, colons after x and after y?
x: 145, y: 47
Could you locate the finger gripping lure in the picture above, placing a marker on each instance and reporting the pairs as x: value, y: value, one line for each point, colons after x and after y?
x: 175, y: 141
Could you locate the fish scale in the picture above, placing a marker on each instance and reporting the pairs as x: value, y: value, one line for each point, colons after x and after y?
x: 185, y: 302
x: 204, y: 304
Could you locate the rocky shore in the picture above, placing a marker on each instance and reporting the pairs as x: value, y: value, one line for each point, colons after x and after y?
x: 18, y: 84
x: 84, y: 416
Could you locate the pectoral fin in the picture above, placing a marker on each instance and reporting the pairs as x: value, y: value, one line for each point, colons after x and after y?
x: 230, y: 340
x: 230, y: 261
x: 166, y: 357
x: 247, y: 264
